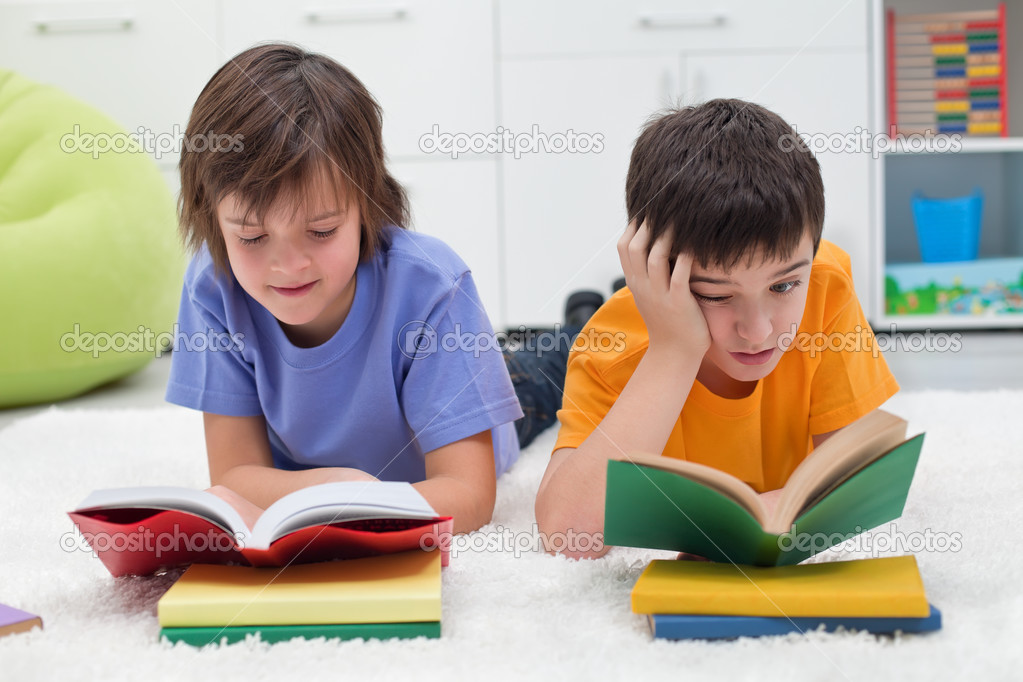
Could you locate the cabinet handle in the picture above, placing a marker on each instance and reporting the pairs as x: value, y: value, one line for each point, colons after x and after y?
x: 85, y: 24
x: 350, y: 15
x: 682, y: 19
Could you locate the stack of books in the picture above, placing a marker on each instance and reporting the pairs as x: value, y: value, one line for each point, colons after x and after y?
x: 380, y: 597
x: 947, y: 73
x: 705, y: 600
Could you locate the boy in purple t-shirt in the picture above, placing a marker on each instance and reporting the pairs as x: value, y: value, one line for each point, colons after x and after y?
x: 321, y: 340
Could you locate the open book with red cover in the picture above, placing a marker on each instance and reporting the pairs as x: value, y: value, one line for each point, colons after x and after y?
x: 139, y: 531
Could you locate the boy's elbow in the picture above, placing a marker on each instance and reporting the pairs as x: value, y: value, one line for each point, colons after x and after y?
x: 477, y: 514
x: 566, y: 530
x: 483, y: 513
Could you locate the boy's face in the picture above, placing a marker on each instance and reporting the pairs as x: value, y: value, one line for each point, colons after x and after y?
x: 747, y: 309
x: 300, y: 265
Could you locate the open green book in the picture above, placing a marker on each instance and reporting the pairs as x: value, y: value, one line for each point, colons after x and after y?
x: 856, y: 480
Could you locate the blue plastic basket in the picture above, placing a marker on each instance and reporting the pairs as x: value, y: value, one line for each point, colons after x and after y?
x: 948, y: 229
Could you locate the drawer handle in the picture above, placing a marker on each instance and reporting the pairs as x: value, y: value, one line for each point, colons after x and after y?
x: 683, y: 20
x: 85, y: 25
x: 351, y: 15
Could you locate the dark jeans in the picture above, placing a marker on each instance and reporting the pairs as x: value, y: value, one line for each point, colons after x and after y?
x: 538, y: 374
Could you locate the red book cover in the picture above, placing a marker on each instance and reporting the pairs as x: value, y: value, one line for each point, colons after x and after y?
x: 139, y: 531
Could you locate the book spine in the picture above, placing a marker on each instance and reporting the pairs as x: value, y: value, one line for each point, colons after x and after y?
x: 269, y: 633
x: 673, y: 626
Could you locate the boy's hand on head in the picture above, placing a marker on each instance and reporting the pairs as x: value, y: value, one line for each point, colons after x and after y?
x: 672, y: 315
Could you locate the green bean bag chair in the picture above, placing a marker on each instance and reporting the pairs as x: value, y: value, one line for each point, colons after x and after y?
x: 90, y: 265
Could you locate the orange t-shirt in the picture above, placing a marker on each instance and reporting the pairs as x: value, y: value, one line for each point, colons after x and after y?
x: 831, y: 375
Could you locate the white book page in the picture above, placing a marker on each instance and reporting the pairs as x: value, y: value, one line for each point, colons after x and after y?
x: 844, y: 453
x: 198, y: 502
x: 336, y: 502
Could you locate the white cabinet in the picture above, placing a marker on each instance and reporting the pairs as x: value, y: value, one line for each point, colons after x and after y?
x: 580, y: 27
x: 456, y: 201
x: 565, y: 66
x: 803, y: 89
x: 563, y: 212
x: 142, y: 63
x: 427, y: 62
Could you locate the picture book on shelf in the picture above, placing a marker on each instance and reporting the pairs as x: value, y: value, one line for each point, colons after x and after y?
x: 138, y: 531
x: 856, y: 480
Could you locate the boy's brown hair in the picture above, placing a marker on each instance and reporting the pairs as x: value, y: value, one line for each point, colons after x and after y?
x: 274, y: 123
x: 730, y: 179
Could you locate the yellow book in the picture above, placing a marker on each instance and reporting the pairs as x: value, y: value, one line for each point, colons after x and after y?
x: 887, y: 586
x: 382, y: 589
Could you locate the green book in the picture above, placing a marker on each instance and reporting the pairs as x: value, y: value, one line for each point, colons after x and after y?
x: 282, y: 633
x: 856, y: 480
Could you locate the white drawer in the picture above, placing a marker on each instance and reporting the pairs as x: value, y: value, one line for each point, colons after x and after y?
x: 426, y: 62
x: 141, y: 63
x: 534, y: 27
x: 456, y: 201
x: 564, y: 212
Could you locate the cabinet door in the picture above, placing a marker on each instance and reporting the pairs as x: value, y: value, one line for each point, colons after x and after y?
x: 564, y: 212
x: 141, y: 63
x: 573, y: 27
x: 823, y: 95
x: 456, y: 201
x: 427, y: 63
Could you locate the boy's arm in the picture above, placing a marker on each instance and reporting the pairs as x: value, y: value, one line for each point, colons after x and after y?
x: 240, y: 461
x: 570, y: 500
x: 461, y: 481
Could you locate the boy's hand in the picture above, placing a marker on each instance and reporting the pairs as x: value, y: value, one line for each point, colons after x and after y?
x: 770, y: 499
x: 250, y: 513
x: 350, y: 474
x: 672, y: 315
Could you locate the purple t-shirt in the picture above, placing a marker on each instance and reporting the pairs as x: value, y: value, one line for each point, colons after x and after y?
x: 414, y: 367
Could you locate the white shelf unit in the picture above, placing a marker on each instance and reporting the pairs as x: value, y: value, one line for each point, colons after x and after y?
x: 995, y: 164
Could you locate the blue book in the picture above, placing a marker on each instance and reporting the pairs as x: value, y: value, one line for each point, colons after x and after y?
x: 680, y: 626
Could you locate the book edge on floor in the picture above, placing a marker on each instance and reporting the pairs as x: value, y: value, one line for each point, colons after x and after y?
x: 702, y: 626
x: 202, y: 636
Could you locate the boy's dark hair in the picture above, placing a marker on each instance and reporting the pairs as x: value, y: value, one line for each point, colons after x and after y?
x: 729, y: 179
x: 278, y: 124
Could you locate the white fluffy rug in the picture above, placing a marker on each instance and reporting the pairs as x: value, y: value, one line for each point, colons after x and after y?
x: 509, y: 614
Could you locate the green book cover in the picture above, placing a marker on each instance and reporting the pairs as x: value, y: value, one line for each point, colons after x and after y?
x: 652, y: 508
x: 282, y: 633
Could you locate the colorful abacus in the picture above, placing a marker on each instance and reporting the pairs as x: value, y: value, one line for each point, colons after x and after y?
x: 947, y: 73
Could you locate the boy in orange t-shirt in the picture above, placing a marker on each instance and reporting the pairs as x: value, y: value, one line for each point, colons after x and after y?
x: 738, y: 343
